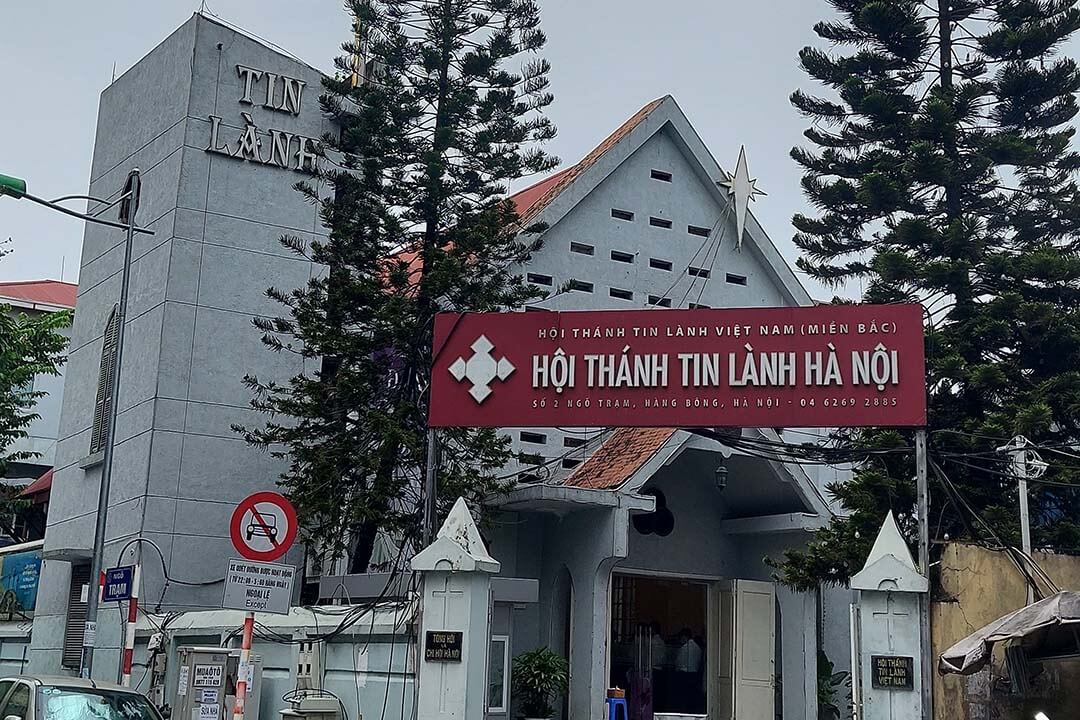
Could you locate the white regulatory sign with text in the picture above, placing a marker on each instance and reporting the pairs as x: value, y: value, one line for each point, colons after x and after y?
x: 258, y: 586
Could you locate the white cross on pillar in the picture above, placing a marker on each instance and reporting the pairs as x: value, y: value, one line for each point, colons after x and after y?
x: 446, y: 594
x: 889, y: 615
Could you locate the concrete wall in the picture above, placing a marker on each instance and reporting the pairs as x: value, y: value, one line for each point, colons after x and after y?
x: 368, y: 663
x: 979, y: 586
x: 195, y: 287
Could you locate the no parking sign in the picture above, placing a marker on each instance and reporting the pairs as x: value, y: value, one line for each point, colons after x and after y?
x: 263, y: 526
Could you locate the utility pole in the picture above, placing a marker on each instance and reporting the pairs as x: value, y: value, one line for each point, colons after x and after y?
x: 1023, y: 470
x: 128, y: 207
x: 431, y: 489
x: 923, y: 490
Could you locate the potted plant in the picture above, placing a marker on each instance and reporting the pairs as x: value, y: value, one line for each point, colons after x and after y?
x: 540, y: 678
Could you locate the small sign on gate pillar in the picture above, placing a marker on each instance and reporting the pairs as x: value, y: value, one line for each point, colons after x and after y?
x: 455, y: 625
x: 888, y: 681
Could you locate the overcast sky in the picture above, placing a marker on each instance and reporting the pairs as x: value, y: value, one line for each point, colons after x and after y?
x: 730, y: 65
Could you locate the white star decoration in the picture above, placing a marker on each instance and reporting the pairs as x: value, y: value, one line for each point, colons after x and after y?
x: 741, y: 189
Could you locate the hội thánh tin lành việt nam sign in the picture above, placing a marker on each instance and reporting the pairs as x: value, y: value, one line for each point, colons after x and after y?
x: 823, y: 366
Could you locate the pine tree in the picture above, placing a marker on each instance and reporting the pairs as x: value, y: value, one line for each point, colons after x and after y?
x: 434, y: 124
x: 943, y: 171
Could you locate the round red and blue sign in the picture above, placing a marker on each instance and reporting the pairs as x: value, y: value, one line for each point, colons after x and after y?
x: 263, y: 526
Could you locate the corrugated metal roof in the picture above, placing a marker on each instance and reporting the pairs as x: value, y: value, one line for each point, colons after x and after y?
x: 42, y: 485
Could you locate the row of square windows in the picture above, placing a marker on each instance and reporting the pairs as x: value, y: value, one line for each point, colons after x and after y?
x: 622, y: 294
x: 659, y: 222
x: 536, y: 438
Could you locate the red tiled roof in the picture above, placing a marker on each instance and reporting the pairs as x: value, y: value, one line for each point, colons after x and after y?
x: 47, y: 292
x: 531, y: 201
x: 525, y: 199
x: 555, y: 184
x: 42, y: 485
x: 619, y: 457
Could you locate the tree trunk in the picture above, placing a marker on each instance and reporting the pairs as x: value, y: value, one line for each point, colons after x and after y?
x: 365, y: 546
x: 945, y: 73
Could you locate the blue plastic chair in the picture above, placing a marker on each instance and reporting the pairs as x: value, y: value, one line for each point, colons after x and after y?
x: 613, y: 704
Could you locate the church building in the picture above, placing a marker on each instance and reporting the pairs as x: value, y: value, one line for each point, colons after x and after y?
x: 640, y: 555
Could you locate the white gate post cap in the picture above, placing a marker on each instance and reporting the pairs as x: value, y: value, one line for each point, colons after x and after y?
x: 890, y: 566
x: 457, y: 547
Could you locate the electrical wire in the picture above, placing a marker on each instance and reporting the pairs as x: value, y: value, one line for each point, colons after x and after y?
x: 1022, y: 562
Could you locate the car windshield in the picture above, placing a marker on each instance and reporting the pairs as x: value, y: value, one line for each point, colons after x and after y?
x: 64, y: 703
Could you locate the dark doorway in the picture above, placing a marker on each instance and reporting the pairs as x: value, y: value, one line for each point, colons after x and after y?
x: 658, y: 631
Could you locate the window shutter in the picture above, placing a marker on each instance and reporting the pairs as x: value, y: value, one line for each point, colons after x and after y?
x: 105, y: 391
x: 75, y: 626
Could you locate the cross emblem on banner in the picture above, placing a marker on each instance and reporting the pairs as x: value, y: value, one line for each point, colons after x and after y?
x: 481, y: 369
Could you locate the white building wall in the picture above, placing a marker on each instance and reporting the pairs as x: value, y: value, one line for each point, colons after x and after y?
x: 43, y: 431
x: 687, y: 200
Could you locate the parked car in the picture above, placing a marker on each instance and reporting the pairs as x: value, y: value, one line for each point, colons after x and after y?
x: 65, y: 698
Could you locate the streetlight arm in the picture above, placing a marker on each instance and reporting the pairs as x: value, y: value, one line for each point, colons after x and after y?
x: 88, y: 197
x: 82, y: 216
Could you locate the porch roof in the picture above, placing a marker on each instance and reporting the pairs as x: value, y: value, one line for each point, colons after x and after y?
x: 620, y: 456
x: 623, y: 461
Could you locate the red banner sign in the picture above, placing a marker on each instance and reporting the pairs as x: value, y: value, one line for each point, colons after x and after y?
x: 825, y: 366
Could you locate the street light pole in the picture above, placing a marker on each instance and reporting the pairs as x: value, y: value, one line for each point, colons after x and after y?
x: 15, y: 187
x: 128, y: 209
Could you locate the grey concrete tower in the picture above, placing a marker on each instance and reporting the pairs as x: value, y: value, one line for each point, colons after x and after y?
x: 221, y: 127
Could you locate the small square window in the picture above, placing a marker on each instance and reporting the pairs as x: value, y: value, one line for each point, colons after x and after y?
x: 660, y: 175
x: 573, y: 442
x: 620, y: 256
x: 621, y: 294
x: 622, y: 215
x: 582, y: 248
x: 659, y: 301
x: 698, y: 230
x: 698, y: 272
x: 570, y: 463
x: 531, y: 458
x: 660, y: 223
x: 533, y: 437
x: 736, y: 279
x: 539, y: 279
x: 581, y: 286
x: 660, y: 264
x: 698, y: 306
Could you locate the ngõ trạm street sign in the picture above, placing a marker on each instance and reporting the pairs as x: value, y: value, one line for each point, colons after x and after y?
x: 824, y: 366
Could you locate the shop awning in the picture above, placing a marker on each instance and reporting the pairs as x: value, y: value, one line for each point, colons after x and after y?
x: 1049, y: 628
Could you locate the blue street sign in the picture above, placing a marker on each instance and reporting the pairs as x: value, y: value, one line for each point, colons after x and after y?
x: 118, y: 582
